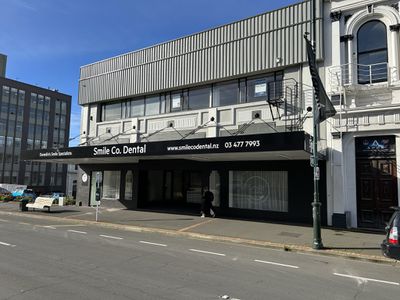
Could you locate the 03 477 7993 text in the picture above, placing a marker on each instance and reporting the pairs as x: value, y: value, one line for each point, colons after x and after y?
x: 242, y: 144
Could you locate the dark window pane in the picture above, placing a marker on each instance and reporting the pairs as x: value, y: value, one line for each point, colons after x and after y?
x: 199, y: 98
x: 226, y: 94
x: 372, y: 53
x: 372, y: 36
x: 152, y: 105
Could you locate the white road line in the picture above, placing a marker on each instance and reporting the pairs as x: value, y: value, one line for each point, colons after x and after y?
x: 7, y: 244
x: 366, y: 279
x: 276, y: 264
x: 77, y: 231
x: 207, y: 252
x: 155, y: 244
x: 111, y: 237
x: 47, y: 227
x: 24, y: 223
x: 5, y: 221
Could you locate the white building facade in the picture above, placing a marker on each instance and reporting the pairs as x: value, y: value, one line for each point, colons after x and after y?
x: 362, y: 77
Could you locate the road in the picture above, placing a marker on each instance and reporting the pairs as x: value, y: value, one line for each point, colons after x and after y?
x: 47, y: 259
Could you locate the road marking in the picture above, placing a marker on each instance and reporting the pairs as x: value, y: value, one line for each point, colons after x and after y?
x: 45, y: 226
x: 7, y: 244
x: 276, y: 264
x: 49, y: 227
x: 195, y: 225
x: 112, y: 237
x: 68, y: 225
x: 24, y: 223
x: 207, y: 252
x: 77, y: 231
x: 155, y: 244
x: 366, y: 279
x: 5, y: 221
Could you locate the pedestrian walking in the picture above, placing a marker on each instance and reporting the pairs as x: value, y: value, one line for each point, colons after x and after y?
x: 207, y: 208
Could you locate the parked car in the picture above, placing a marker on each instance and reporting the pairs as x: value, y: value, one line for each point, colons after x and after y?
x: 391, y: 246
x: 4, y: 191
x: 55, y: 195
x: 24, y: 193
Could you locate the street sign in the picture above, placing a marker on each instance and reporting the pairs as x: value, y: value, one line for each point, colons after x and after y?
x: 316, y: 173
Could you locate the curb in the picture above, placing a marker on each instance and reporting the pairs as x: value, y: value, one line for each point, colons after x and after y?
x: 202, y: 236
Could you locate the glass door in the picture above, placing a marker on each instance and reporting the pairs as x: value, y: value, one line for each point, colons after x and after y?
x: 96, y: 187
x: 128, y: 185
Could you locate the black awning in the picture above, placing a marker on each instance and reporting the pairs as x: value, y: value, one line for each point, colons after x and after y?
x: 272, y: 142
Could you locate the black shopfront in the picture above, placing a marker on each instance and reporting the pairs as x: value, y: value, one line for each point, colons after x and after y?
x: 265, y: 176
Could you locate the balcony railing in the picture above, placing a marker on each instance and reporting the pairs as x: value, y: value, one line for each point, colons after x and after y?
x: 353, y: 74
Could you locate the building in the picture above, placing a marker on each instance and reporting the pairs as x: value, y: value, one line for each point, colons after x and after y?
x: 226, y: 110
x: 72, y: 175
x: 223, y: 109
x: 362, y: 76
x: 32, y: 117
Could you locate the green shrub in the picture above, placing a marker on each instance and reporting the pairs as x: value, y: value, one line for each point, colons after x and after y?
x: 6, y: 198
x: 69, y: 201
x: 25, y: 198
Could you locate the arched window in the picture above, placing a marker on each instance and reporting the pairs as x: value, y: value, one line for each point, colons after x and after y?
x: 372, y: 54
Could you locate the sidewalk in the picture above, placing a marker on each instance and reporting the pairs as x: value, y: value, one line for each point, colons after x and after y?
x: 357, y: 245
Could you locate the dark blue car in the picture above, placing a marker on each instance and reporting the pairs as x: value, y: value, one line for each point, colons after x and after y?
x: 391, y: 246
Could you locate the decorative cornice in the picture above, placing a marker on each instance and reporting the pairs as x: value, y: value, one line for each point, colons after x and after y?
x: 395, y: 27
x: 345, y: 38
x: 336, y: 15
x: 347, y: 17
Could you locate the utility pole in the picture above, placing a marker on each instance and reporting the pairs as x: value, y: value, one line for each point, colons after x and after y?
x: 316, y: 204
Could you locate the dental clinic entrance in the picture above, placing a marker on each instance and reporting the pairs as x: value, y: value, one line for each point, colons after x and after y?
x: 262, y: 176
x: 175, y: 184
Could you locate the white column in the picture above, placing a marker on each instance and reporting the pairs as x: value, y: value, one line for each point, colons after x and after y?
x: 398, y: 167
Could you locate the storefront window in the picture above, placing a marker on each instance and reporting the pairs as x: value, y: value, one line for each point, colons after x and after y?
x: 215, y: 185
x: 128, y: 185
x: 111, y: 180
x: 259, y: 190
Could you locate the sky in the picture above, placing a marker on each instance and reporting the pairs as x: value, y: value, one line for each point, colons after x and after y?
x: 47, y: 41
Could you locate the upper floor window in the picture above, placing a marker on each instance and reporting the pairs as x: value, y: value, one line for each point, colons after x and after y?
x: 372, y: 52
x: 199, y: 98
x: 111, y: 111
x: 258, y: 88
x: 226, y: 93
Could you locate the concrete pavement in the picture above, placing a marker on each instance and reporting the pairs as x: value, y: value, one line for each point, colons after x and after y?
x: 353, y: 244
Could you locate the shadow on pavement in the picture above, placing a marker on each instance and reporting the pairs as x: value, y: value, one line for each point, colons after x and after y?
x: 177, y: 219
x: 352, y: 248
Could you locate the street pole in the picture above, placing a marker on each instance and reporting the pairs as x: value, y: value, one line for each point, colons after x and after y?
x: 97, y: 197
x: 316, y: 204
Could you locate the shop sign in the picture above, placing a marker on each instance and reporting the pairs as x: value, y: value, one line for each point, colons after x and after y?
x: 376, y: 146
x: 245, y: 143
